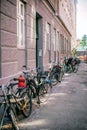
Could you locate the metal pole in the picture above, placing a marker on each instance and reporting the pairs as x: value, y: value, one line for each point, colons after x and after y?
x: 26, y: 55
x: 0, y: 42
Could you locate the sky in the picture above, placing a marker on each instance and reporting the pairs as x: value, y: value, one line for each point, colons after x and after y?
x: 81, y: 18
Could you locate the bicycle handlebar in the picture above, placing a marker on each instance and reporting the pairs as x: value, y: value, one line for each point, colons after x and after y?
x: 30, y: 69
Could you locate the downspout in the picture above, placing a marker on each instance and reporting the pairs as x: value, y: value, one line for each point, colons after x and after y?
x: 26, y: 54
x: 0, y: 42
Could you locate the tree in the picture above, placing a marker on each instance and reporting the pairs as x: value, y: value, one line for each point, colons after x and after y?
x: 74, y: 52
x: 84, y: 41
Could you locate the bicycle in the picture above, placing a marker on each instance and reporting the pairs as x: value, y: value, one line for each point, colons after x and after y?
x: 44, y: 85
x: 7, y: 112
x: 55, y: 73
x: 67, y: 65
x: 75, y: 65
x: 14, y: 104
x: 71, y: 66
x: 32, y: 87
x: 37, y: 82
x: 25, y: 106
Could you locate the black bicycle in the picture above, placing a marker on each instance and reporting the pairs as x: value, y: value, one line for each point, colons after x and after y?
x: 39, y: 84
x: 55, y: 73
x: 7, y: 117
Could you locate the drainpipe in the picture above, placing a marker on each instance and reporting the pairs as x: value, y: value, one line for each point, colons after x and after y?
x: 0, y: 42
x: 26, y: 54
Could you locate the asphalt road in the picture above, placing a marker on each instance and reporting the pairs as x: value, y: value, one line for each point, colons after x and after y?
x: 66, y: 107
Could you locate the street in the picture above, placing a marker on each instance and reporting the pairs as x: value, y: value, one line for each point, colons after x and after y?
x: 66, y: 107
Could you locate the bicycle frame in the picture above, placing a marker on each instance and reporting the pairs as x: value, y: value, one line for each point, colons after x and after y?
x: 7, y: 110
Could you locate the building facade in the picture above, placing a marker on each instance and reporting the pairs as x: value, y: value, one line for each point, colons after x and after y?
x: 34, y: 33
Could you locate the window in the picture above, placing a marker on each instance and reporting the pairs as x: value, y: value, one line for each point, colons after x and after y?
x: 57, y: 41
x: 49, y: 40
x: 57, y: 48
x: 20, y: 25
x: 54, y: 39
x: 54, y: 45
x: 48, y: 36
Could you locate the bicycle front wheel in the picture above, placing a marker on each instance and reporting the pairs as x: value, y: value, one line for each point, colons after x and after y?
x: 75, y: 68
x: 26, y: 104
x: 44, y: 92
x: 54, y: 78
x: 14, y: 121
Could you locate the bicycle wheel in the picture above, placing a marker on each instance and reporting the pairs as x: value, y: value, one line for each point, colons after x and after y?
x: 54, y: 78
x: 14, y: 121
x: 8, y: 120
x: 75, y: 68
x: 3, y: 115
x: 26, y: 104
x: 44, y: 92
x: 32, y: 89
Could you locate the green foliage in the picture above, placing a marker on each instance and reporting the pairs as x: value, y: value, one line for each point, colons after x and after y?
x: 84, y: 41
x: 74, y: 52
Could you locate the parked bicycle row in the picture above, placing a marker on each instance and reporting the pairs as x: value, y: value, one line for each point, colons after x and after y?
x: 71, y: 64
x: 18, y: 94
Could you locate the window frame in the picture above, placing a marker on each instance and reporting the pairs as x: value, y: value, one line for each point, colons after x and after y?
x: 48, y: 36
x: 55, y: 39
x: 20, y: 25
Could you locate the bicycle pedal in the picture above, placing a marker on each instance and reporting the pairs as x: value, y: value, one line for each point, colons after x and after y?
x: 34, y: 95
x: 38, y: 102
x: 59, y: 81
x: 6, y: 126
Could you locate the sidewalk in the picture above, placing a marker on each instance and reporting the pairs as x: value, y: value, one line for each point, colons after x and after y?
x: 66, y: 108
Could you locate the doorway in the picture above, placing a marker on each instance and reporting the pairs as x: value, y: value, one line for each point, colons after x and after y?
x: 39, y: 42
